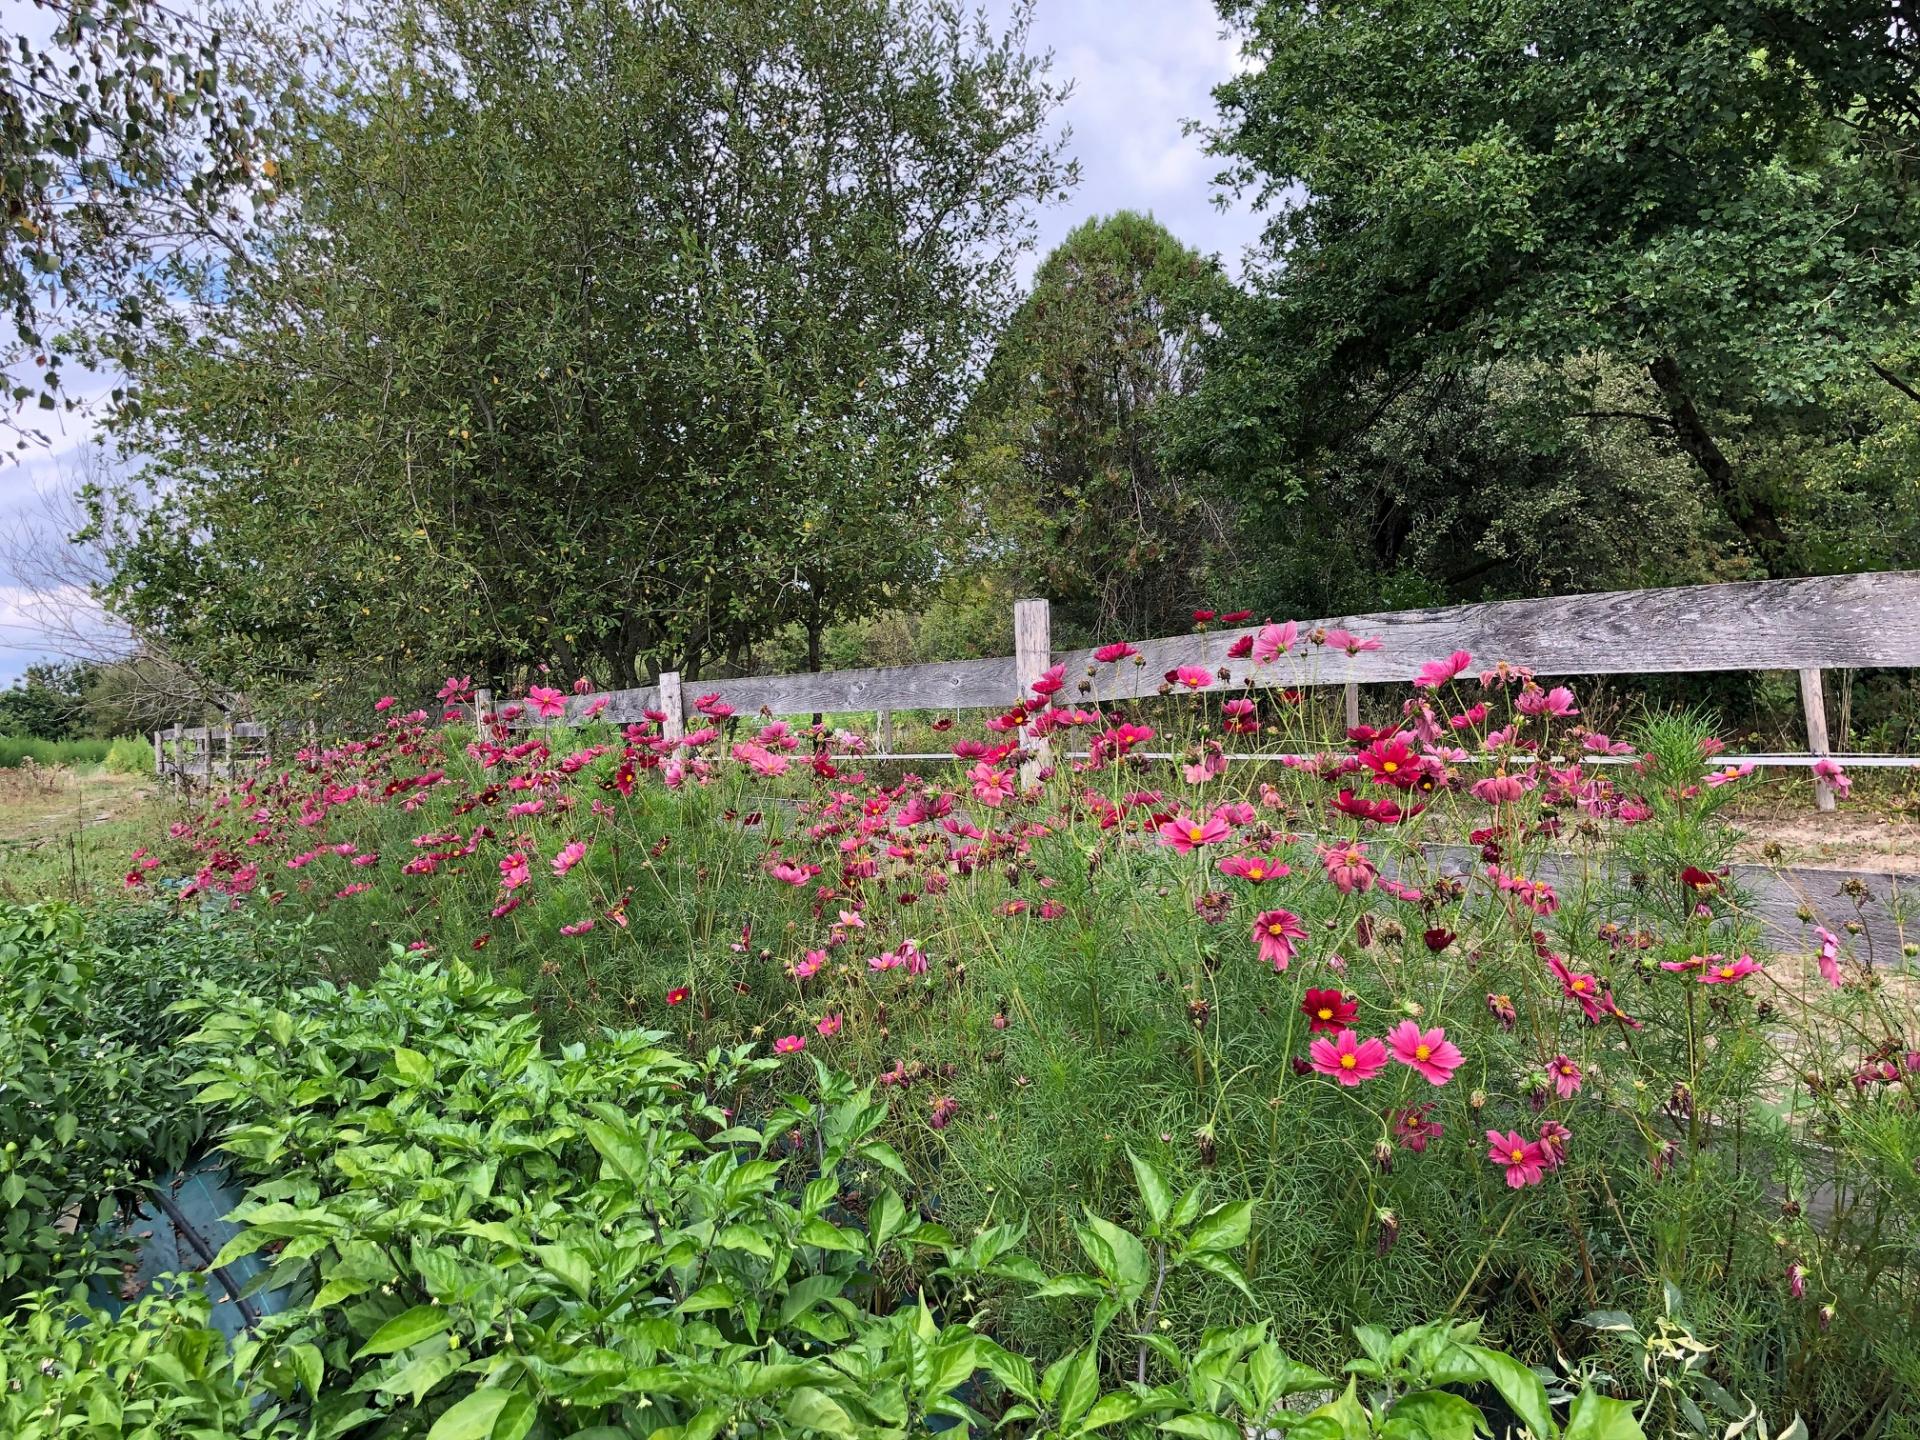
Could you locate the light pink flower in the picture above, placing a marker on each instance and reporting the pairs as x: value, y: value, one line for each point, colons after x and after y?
x: 1522, y: 1158
x: 1829, y: 959
x: 1838, y: 779
x: 571, y: 854
x: 789, y: 1045
x: 1428, y: 1052
x: 1567, y: 1076
x: 1348, y: 1058
x: 548, y: 703
x: 385, y: 702
x: 1273, y: 641
x: 829, y: 1026
x: 514, y: 871
x: 1436, y: 673
x: 1184, y: 832
x: 1274, y: 934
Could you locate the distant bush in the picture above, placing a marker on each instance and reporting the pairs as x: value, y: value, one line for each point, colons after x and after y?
x: 130, y: 757
x: 15, y: 749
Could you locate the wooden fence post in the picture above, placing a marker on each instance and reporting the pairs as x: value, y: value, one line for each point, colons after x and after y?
x: 159, y: 755
x: 671, y: 701
x: 1353, y: 704
x: 226, y: 737
x: 883, y: 730
x: 482, y: 707
x: 1813, y: 701
x: 1032, y: 654
x: 177, y: 769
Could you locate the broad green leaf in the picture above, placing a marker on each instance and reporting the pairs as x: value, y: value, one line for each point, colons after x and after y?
x: 813, y: 1409
x: 1519, y: 1387
x: 1206, y: 1427
x: 473, y: 1417
x: 1597, y: 1417
x: 1154, y: 1193
x: 412, y: 1066
x: 1432, y: 1415
x: 409, y: 1328
x: 1223, y: 1229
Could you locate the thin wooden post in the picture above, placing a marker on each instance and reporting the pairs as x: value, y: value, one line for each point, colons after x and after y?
x: 883, y: 730
x: 1813, y: 701
x: 1032, y: 654
x: 1353, y: 704
x: 482, y: 707
x: 159, y: 754
x: 177, y: 769
x: 675, y: 706
x: 226, y: 738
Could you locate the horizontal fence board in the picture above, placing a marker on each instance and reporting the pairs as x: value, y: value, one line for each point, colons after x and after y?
x: 1827, y: 621
x: 1773, y: 897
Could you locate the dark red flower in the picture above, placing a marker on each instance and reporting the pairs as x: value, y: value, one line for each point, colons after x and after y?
x: 1328, y: 1010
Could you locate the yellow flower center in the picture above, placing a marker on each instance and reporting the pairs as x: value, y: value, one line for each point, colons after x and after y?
x: 1517, y: 1156
x: 1194, y: 833
x: 1422, y: 1052
x: 1579, y: 986
x: 1323, y: 1013
x: 1726, y: 972
x: 1390, y: 766
x: 1276, y: 929
x: 1347, y: 1062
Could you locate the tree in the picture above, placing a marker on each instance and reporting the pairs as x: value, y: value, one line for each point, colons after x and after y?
x: 603, y: 333
x: 1718, y: 197
x: 120, y: 138
x: 1063, y: 477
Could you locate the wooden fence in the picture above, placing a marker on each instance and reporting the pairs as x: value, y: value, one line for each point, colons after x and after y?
x: 1808, y: 626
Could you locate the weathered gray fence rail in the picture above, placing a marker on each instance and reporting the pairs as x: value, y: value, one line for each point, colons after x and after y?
x: 1807, y: 626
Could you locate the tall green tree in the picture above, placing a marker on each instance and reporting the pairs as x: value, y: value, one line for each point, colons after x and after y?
x: 121, y: 138
x: 1063, y: 480
x: 611, y: 334
x: 1718, y: 197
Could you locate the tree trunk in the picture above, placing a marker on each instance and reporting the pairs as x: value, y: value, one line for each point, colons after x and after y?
x: 814, y: 629
x: 1754, y: 516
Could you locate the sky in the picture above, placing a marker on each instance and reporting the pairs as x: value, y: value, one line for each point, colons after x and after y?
x: 1140, y: 69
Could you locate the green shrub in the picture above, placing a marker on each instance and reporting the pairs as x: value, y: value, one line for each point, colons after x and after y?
x: 492, y: 1239
x: 91, y: 1105
x: 130, y: 757
x: 157, y: 1371
x: 14, y: 750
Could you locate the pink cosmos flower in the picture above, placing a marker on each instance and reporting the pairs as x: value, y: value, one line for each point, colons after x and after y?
x: 1184, y: 832
x: 385, y: 702
x: 789, y: 1045
x: 1829, y: 959
x: 1553, y: 1143
x: 792, y: 873
x: 1428, y: 1052
x: 760, y: 759
x: 1114, y: 653
x: 1272, y: 641
x: 1522, y: 1158
x: 1567, y: 1076
x: 571, y: 854
x: 1348, y: 868
x: 1051, y: 681
x: 829, y: 1026
x: 1436, y: 673
x: 1728, y: 775
x: 1726, y: 972
x: 807, y: 968
x: 578, y: 927
x: 1254, y: 868
x: 1190, y: 677
x: 514, y: 871
x: 1838, y: 779
x: 1557, y: 701
x: 1348, y: 1058
x: 548, y: 703
x: 1346, y: 640
x: 1274, y: 934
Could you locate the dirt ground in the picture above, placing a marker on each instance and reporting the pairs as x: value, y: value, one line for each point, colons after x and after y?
x: 1878, y: 829
x: 67, y: 834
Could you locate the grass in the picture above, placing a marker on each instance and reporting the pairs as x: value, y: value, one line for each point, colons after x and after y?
x: 67, y: 833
